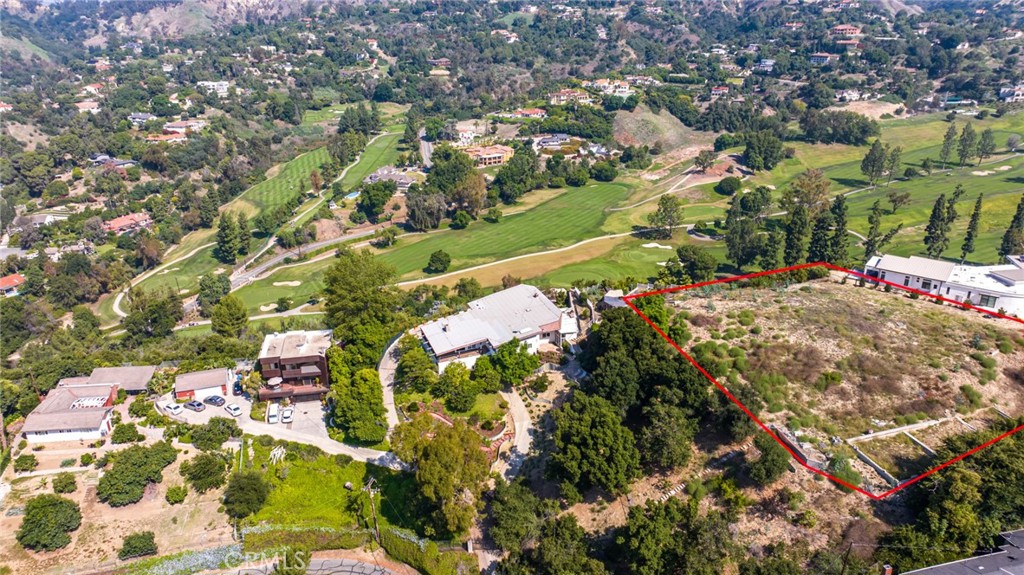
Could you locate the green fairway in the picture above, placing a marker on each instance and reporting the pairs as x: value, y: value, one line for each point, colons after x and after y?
x: 569, y: 218
x: 627, y: 260
x: 382, y: 152
x: 1002, y: 191
x: 292, y: 180
x: 271, y: 323
x: 264, y: 292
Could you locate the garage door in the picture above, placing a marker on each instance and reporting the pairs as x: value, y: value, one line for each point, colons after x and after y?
x: 202, y: 394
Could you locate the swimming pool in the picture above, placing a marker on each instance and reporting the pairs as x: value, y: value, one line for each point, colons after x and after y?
x: 352, y: 195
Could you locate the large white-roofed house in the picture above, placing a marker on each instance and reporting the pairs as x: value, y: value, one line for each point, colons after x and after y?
x: 72, y: 412
x: 998, y: 288
x: 521, y: 312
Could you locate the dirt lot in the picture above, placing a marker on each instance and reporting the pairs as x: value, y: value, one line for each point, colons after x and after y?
x: 844, y: 359
x: 196, y: 523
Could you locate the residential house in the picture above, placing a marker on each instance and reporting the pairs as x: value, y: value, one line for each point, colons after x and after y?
x: 91, y: 90
x: 390, y: 173
x: 78, y: 412
x: 820, y: 58
x: 294, y: 365
x: 128, y: 223
x: 219, y: 88
x: 568, y: 95
x: 510, y: 37
x: 182, y: 126
x: 172, y: 138
x: 995, y: 288
x: 138, y: 119
x: 5, y: 107
x: 552, y: 141
x: 850, y: 45
x: 495, y: 155
x: 466, y: 137
x: 9, y: 284
x: 719, y: 90
x: 133, y: 378
x: 1012, y: 94
x: 765, y: 65
x: 849, y: 95
x: 845, y: 30
x: 793, y: 25
x: 642, y: 81
x: 1008, y: 560
x: 536, y: 113
x: 372, y: 43
x: 199, y: 385
x: 88, y: 106
x: 36, y: 221
x: 440, y: 62
x: 519, y: 313
x: 608, y: 87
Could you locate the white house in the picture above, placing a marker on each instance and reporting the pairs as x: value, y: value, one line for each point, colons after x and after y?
x: 1012, y: 94
x: 520, y: 313
x: 997, y: 288
x: 219, y: 88
x: 72, y: 413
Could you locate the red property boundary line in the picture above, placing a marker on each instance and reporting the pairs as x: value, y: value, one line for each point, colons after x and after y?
x: 629, y: 301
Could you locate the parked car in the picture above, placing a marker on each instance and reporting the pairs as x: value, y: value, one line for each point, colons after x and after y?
x: 214, y: 400
x: 173, y: 408
x: 195, y: 406
x: 272, y: 412
x: 233, y: 410
x: 286, y: 414
x: 237, y: 389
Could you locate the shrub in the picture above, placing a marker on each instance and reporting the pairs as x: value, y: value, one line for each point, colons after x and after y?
x: 140, y: 408
x: 137, y: 545
x: 126, y: 433
x: 68, y: 462
x: 841, y: 469
x: 728, y: 186
x: 25, y: 463
x: 176, y: 494
x: 246, y: 494
x: 133, y: 469
x: 213, y: 434
x: 64, y: 483
x: 204, y: 472
x: 972, y: 395
x: 48, y: 520
x: 746, y: 318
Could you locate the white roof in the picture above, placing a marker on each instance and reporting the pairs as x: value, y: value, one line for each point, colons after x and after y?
x: 1004, y: 279
x: 292, y: 344
x: 916, y: 266
x: 517, y: 312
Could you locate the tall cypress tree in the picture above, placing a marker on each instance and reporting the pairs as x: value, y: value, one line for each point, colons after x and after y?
x: 967, y: 145
x: 875, y: 240
x: 972, y: 231
x: 873, y: 163
x: 797, y: 228
x: 228, y: 239
x: 244, y: 235
x: 1013, y: 239
x: 947, y: 144
x: 839, y: 243
x: 936, y: 236
x: 821, y: 246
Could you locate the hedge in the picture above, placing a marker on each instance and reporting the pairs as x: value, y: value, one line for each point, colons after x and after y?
x: 426, y: 557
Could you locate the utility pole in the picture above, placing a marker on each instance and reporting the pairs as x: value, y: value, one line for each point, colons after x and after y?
x: 373, y: 508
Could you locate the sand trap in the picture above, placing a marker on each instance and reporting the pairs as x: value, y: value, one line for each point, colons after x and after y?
x: 167, y: 271
x: 982, y: 173
x: 656, y: 245
x: 1004, y: 168
x: 662, y: 264
x: 219, y: 271
x: 289, y: 284
x: 268, y: 307
x: 182, y: 292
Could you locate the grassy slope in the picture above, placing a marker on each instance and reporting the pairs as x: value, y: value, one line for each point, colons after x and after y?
x: 564, y: 220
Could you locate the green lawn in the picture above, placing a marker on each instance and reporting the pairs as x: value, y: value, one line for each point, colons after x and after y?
x: 569, y: 218
x: 313, y: 494
x: 273, y: 323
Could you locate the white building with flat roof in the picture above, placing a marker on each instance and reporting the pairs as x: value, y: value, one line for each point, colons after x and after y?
x: 998, y: 288
x: 521, y: 312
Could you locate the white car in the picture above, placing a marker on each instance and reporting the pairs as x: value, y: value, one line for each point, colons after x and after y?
x: 173, y: 408
x: 286, y: 415
x: 233, y: 410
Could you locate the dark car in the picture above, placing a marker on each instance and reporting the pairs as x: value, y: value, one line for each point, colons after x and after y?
x: 195, y: 406
x: 214, y: 400
x: 237, y: 389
